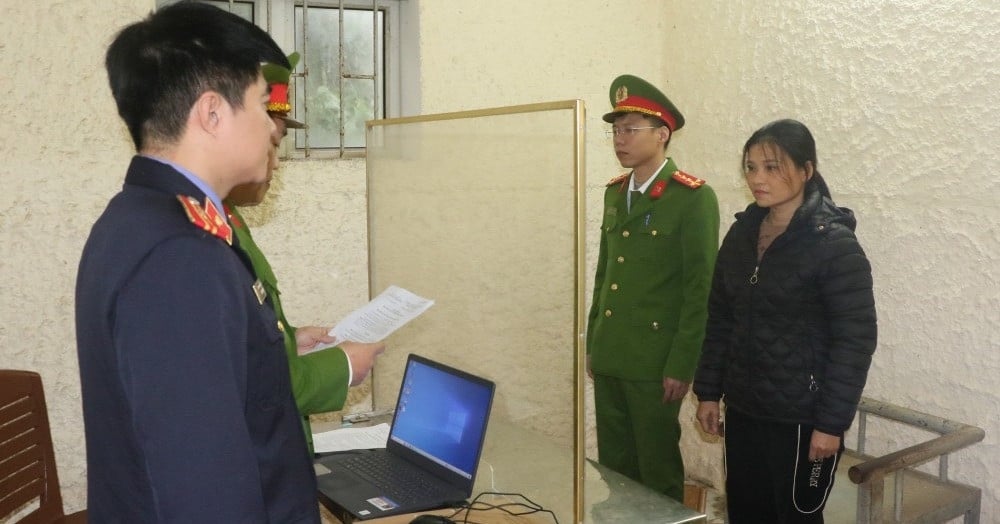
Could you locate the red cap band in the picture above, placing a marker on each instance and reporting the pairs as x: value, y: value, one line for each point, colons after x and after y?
x: 638, y: 104
x: 279, y: 99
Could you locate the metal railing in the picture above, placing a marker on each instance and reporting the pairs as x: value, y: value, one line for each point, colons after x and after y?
x: 870, y: 474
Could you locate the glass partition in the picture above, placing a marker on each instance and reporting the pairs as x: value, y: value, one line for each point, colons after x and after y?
x: 482, y: 212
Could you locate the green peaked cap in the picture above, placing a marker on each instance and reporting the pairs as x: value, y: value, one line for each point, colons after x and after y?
x: 278, y: 74
x: 277, y: 77
x: 631, y: 94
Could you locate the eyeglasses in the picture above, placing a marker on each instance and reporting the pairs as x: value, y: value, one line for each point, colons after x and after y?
x: 627, y: 131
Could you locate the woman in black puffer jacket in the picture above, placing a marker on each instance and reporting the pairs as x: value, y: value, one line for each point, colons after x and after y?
x: 790, y: 335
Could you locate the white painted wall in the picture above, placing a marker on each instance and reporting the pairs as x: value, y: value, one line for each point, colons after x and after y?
x: 900, y: 95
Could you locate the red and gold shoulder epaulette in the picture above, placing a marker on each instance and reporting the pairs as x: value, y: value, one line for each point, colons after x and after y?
x: 620, y: 179
x: 207, y: 218
x: 688, y: 180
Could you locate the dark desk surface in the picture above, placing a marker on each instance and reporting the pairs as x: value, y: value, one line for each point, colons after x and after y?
x: 544, y: 473
x: 491, y: 516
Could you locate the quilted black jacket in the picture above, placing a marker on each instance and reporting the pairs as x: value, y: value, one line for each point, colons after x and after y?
x: 790, y: 339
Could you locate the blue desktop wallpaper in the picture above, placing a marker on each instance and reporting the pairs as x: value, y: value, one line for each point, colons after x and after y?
x: 442, y: 415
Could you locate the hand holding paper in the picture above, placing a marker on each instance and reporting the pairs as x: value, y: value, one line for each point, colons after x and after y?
x: 378, y: 319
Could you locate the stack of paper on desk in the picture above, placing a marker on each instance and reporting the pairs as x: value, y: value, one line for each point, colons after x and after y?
x: 350, y: 438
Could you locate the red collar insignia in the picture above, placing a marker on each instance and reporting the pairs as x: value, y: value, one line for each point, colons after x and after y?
x: 657, y: 190
x: 207, y: 218
x: 233, y: 219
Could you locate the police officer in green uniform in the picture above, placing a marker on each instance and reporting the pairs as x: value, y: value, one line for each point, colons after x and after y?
x: 659, y: 238
x: 320, y: 380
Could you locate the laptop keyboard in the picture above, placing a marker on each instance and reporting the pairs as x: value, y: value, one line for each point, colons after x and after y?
x: 401, y: 481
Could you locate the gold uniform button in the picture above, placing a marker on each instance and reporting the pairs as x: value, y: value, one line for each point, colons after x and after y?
x: 625, y: 233
x: 614, y: 287
x: 607, y: 312
x: 653, y: 232
x: 621, y: 259
x: 281, y: 327
x: 656, y: 326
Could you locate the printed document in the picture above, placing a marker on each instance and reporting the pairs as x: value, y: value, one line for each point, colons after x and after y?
x: 378, y: 319
x: 349, y: 438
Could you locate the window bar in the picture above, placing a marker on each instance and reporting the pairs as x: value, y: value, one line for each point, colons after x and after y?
x: 340, y: 79
x: 267, y: 17
x: 375, y: 54
x: 305, y: 76
x: 347, y: 74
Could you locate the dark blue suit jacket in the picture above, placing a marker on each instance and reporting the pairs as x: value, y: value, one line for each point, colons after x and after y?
x: 187, y: 402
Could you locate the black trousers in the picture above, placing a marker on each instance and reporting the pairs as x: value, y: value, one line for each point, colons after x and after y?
x: 769, y: 477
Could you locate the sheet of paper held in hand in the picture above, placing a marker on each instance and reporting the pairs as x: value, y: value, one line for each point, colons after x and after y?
x: 376, y: 320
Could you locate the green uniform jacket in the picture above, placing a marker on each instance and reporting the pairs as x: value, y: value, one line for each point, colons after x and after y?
x: 319, y: 380
x: 654, y: 272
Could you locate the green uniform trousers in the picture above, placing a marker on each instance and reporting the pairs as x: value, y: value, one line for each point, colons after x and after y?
x: 638, y: 435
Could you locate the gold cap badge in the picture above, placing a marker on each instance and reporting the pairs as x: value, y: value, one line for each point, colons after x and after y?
x: 621, y: 94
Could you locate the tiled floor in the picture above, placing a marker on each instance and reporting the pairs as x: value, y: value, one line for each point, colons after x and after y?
x: 841, y: 508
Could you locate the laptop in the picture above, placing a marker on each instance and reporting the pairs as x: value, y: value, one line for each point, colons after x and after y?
x: 431, y: 456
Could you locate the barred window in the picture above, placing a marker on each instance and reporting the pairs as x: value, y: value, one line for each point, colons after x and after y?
x: 349, y: 71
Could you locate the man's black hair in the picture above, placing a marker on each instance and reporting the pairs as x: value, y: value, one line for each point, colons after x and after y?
x: 159, y: 67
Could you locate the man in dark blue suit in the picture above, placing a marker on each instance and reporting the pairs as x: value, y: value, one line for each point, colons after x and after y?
x: 188, y: 410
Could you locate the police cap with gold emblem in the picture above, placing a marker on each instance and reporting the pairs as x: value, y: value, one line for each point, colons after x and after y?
x: 631, y: 94
x: 278, y: 77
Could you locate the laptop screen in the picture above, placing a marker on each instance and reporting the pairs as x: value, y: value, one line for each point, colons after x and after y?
x: 442, y: 414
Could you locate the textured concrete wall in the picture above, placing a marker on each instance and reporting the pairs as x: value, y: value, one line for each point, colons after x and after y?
x: 64, y: 151
x: 898, y: 93
x: 900, y: 96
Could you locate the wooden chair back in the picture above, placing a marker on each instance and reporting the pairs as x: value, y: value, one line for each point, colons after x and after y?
x: 27, y: 461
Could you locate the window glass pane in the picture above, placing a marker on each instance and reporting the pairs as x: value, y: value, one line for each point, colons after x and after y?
x: 358, y: 42
x: 242, y: 8
x: 322, y: 89
x: 358, y: 101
